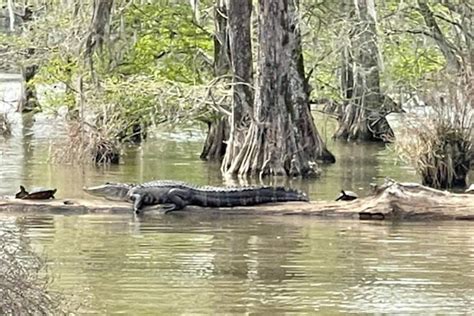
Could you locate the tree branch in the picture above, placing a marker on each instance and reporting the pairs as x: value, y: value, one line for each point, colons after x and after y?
x: 443, y: 44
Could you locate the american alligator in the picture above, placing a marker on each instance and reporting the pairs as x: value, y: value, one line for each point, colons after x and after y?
x: 176, y: 195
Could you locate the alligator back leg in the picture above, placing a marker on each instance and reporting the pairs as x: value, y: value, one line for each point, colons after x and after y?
x: 178, y: 198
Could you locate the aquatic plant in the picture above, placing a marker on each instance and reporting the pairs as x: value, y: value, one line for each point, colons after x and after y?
x: 440, y: 146
x: 86, y: 143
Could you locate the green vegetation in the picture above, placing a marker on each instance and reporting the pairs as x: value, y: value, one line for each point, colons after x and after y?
x: 128, y: 65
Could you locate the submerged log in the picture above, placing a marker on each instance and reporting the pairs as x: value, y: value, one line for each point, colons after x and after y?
x: 392, y: 201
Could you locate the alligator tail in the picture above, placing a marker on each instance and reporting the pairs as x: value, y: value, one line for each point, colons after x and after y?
x: 246, y: 196
x: 281, y: 194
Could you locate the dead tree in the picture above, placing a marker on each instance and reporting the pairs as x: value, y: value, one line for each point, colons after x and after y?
x: 281, y: 138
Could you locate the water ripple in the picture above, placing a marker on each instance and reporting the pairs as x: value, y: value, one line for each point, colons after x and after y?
x: 193, y: 264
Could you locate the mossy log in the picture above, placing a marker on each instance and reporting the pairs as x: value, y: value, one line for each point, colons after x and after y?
x: 391, y: 201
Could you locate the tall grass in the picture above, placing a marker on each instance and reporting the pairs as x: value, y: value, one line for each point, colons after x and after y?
x: 87, y: 144
x: 440, y: 145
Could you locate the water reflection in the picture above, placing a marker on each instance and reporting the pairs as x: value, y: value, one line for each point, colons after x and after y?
x: 211, y: 264
x: 24, y: 159
x: 224, y: 264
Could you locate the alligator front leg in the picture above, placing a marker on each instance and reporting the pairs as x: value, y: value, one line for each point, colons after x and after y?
x: 174, y: 199
x: 137, y: 202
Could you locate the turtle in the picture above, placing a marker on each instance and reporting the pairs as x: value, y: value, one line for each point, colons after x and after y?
x: 347, y: 196
x: 470, y: 189
x: 36, y: 194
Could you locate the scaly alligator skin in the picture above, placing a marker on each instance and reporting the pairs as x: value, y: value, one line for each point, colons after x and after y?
x: 176, y: 195
x: 111, y: 191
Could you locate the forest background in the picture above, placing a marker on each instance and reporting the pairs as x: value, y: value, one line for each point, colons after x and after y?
x: 128, y: 65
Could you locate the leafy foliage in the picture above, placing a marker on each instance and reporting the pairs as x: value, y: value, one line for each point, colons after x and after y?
x: 169, y: 44
x: 408, y: 63
x: 158, y: 57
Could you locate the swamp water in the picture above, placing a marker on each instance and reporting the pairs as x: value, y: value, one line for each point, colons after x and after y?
x: 187, y: 264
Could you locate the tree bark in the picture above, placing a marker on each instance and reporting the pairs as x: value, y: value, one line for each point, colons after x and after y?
x: 281, y: 139
x: 218, y: 129
x: 242, y: 68
x: 364, y: 109
x: 29, y: 101
x: 215, y: 145
x: 221, y: 40
x: 299, y: 91
x: 11, y: 15
x: 99, y: 28
x: 347, y: 62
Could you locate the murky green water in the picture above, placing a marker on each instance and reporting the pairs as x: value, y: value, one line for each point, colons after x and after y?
x: 175, y: 155
x: 189, y: 264
x: 215, y: 265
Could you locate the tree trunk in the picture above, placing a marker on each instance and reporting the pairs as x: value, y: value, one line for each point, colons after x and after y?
x: 218, y: 129
x: 242, y: 67
x: 361, y: 68
x: 281, y: 139
x: 221, y: 40
x: 99, y: 28
x: 452, y: 61
x: 347, y: 74
x: 299, y: 91
x: 215, y: 145
x: 11, y: 15
x: 29, y: 101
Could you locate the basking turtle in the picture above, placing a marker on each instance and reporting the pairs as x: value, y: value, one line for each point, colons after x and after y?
x: 36, y: 194
x: 347, y: 196
x: 470, y: 189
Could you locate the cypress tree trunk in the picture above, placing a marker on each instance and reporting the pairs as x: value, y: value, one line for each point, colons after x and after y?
x: 221, y: 40
x: 218, y: 128
x: 215, y: 145
x: 98, y: 35
x: 11, y: 16
x: 281, y: 138
x: 361, y: 69
x: 347, y: 74
x: 240, y: 12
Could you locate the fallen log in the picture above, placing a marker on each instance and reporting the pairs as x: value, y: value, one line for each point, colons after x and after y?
x: 391, y: 201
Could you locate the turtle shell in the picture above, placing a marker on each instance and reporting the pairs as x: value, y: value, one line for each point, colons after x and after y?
x: 347, y: 196
x: 36, y: 194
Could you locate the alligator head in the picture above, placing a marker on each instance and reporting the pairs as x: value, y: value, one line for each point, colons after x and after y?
x: 111, y: 191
